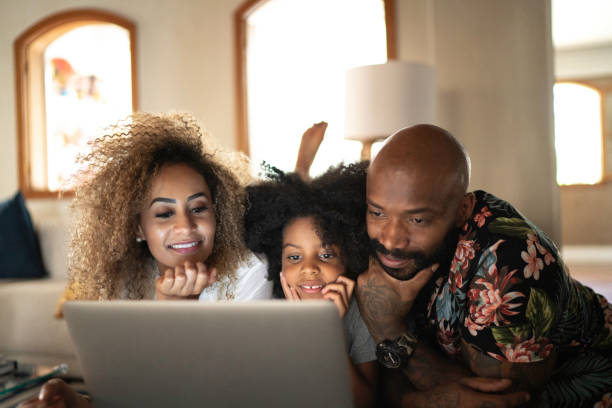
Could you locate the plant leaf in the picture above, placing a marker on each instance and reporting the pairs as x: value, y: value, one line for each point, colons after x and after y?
x: 510, y: 227
x: 539, y: 312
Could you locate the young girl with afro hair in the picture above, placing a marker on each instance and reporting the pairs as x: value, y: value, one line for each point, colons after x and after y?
x: 312, y: 234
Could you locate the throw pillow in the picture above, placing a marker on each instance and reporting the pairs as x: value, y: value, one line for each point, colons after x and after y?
x: 19, y: 251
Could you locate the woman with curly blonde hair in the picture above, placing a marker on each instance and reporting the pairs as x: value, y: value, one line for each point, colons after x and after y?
x: 111, y: 255
x: 160, y: 210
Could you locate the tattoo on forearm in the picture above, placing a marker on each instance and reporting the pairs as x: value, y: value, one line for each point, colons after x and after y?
x: 442, y: 398
x: 375, y: 304
x: 428, y: 368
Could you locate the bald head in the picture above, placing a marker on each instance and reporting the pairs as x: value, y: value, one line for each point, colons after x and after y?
x: 429, y: 151
x: 417, y: 201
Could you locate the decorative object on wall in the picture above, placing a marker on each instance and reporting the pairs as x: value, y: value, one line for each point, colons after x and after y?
x: 383, y: 98
x: 74, y: 75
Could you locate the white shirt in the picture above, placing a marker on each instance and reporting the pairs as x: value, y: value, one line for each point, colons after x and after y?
x: 251, y: 283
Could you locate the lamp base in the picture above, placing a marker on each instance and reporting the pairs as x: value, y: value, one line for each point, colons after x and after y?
x: 366, y: 150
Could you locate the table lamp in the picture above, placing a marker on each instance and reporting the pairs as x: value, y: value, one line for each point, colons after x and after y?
x: 383, y: 98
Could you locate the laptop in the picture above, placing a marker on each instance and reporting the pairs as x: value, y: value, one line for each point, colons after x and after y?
x: 270, y: 353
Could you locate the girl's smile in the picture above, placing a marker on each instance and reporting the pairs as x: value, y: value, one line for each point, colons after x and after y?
x: 308, y: 264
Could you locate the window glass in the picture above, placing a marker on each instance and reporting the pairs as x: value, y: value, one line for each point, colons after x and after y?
x: 578, y: 134
x: 297, y: 53
x: 87, y: 85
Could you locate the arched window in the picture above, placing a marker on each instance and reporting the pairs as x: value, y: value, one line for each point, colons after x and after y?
x: 75, y: 74
x: 579, y: 129
x: 292, y: 56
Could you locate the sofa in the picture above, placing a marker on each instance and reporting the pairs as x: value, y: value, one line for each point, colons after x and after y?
x: 30, y: 332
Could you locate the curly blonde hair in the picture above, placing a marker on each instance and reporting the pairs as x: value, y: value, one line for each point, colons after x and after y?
x: 105, y: 261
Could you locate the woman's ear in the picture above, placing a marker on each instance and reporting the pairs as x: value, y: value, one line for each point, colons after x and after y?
x: 140, y: 237
x: 466, y: 208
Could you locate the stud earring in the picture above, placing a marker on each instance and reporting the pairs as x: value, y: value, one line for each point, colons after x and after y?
x: 138, y: 239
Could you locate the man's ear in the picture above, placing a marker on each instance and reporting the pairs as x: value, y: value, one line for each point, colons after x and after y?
x: 466, y: 208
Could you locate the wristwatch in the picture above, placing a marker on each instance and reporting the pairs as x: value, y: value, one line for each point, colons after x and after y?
x: 396, y: 353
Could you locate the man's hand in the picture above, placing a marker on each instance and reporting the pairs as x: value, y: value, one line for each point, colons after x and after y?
x: 468, y: 392
x: 56, y: 393
x: 384, y: 302
x: 184, y: 281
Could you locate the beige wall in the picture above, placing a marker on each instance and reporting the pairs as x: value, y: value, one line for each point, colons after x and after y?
x: 586, y: 211
x: 493, y: 60
x: 185, y: 61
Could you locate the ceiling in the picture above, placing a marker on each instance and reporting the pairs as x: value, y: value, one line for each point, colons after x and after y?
x: 581, y: 23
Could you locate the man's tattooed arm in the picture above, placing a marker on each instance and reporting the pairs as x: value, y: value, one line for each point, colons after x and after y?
x: 428, y: 368
x: 379, y: 305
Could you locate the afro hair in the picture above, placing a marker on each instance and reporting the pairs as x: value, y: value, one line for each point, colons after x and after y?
x: 336, y: 200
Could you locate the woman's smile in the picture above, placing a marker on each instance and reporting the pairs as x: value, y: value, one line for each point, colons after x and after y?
x: 186, y: 247
x: 178, y: 218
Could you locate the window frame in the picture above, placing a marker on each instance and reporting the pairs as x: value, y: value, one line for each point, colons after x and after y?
x: 603, y: 86
x: 241, y: 15
x: 52, y: 27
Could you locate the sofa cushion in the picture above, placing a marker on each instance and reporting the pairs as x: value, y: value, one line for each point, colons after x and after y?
x: 19, y: 251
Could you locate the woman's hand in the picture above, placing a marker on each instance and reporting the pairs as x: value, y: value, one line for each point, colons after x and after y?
x: 56, y: 393
x: 340, y: 292
x: 184, y: 281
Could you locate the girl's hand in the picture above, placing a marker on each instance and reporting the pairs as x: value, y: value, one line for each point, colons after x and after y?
x: 290, y: 292
x: 340, y: 292
x: 309, y: 145
x: 184, y: 281
x: 56, y: 393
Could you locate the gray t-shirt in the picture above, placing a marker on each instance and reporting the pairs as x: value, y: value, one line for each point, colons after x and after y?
x: 359, y: 342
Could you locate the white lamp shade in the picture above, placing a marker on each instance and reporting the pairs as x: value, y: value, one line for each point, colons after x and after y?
x: 381, y: 99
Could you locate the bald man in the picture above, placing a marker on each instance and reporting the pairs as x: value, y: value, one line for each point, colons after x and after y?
x: 465, y: 273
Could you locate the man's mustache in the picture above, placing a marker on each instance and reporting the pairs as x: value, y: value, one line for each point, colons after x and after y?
x: 377, y: 247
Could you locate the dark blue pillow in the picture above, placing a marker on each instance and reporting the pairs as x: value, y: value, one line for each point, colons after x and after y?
x: 19, y: 251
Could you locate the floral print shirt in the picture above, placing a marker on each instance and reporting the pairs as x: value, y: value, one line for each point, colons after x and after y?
x: 509, y: 295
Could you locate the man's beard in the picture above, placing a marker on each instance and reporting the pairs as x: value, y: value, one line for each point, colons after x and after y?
x: 441, y: 255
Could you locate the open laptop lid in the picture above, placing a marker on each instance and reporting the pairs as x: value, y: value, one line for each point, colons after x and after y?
x: 222, y: 354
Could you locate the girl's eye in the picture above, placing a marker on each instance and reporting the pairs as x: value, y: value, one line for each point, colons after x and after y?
x: 166, y: 214
x: 375, y: 213
x: 328, y: 255
x: 293, y: 258
x: 199, y: 209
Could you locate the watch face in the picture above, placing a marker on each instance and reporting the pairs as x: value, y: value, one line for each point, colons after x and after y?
x: 395, y: 354
x: 387, y: 356
x: 391, y: 360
